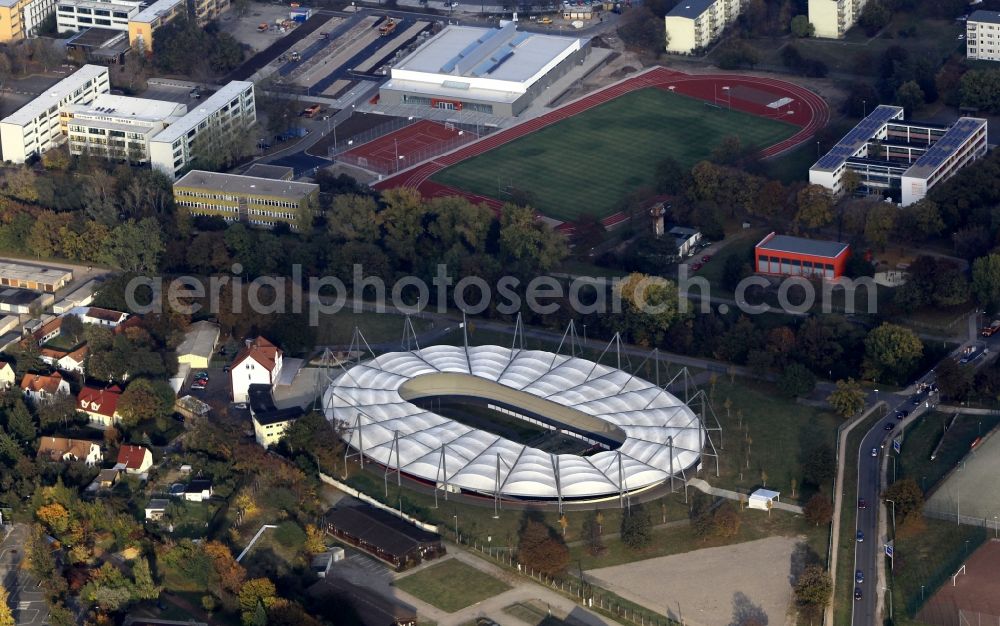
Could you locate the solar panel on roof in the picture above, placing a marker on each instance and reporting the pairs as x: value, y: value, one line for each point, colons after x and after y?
x: 946, y: 146
x: 858, y: 135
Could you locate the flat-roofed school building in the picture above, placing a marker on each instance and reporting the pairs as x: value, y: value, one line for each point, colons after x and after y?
x: 253, y: 200
x: 784, y: 255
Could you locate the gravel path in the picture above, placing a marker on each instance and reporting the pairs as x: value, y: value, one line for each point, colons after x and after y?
x: 713, y: 586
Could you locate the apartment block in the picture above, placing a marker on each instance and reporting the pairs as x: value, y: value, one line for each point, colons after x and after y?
x: 35, y: 127
x: 118, y: 127
x: 229, y: 110
x: 142, y: 25
x: 982, y: 36
x: 833, y: 18
x: 257, y: 201
x: 694, y: 24
x: 20, y: 19
x: 75, y: 15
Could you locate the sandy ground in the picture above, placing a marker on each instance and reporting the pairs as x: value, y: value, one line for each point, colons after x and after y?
x: 970, y: 489
x: 714, y: 586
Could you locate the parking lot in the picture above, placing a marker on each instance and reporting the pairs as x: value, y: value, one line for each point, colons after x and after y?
x: 244, y: 29
x: 25, y: 595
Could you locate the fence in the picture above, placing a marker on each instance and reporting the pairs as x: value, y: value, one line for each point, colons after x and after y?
x: 945, y: 568
x: 583, y: 592
x: 370, y: 135
x: 412, y: 157
x: 975, y: 618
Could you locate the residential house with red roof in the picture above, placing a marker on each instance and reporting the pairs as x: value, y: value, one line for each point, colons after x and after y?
x: 73, y: 361
x: 100, y: 405
x: 103, y: 317
x: 48, y: 331
x: 259, y: 363
x: 37, y: 387
x: 134, y: 459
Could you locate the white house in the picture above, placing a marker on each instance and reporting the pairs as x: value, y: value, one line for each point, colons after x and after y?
x: 61, y: 449
x: 100, y: 405
x: 763, y: 499
x: 259, y: 363
x: 156, y: 509
x: 38, y: 388
x: 7, y: 378
x: 134, y: 459
x: 73, y: 361
x: 198, y: 490
x: 687, y: 239
x: 103, y: 317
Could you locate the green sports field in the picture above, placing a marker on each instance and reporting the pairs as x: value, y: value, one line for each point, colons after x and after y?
x: 589, y: 162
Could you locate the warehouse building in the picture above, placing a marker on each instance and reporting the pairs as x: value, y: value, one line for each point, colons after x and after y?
x: 982, y: 36
x: 228, y: 111
x: 833, y: 18
x: 118, y: 127
x: 488, y: 70
x: 783, y: 255
x: 383, y: 535
x: 694, y: 24
x: 34, y: 277
x: 252, y: 200
x: 35, y: 127
x: 900, y: 158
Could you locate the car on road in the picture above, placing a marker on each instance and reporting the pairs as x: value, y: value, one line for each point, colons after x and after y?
x: 861, y: 536
x: 695, y: 267
x: 706, y: 258
x: 888, y: 426
x: 201, y: 374
x: 857, y: 593
x: 902, y: 414
x: 874, y: 451
x: 240, y: 405
x: 198, y: 385
x: 862, y: 504
x: 915, y: 400
x: 859, y: 577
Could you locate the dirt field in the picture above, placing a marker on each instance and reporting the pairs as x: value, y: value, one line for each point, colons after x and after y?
x: 976, y: 593
x: 970, y: 489
x: 714, y: 586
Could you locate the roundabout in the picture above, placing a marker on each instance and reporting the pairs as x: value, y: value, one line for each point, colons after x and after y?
x: 512, y: 416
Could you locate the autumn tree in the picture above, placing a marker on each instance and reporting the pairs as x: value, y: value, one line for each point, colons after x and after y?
x: 815, y: 206
x: 636, y: 528
x: 256, y: 595
x: 650, y: 305
x: 55, y: 517
x: 6, y: 615
x: 891, y: 352
x: 848, y: 399
x: 143, y: 586
x: 145, y: 399
x: 907, y: 496
x: 813, y: 588
x: 315, y: 540
x: 818, y: 510
x: 541, y: 550
x: 231, y: 574
x: 528, y: 245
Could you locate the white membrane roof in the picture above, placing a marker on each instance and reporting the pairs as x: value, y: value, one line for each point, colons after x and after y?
x: 441, y: 450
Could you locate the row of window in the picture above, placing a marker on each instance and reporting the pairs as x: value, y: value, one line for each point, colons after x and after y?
x: 232, y: 198
x: 793, y: 267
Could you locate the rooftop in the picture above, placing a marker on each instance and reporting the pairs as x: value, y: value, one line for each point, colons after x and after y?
x: 858, y: 137
x: 264, y: 170
x: 198, y: 115
x: 111, y: 107
x: 36, y: 273
x: 690, y: 8
x: 991, y: 17
x: 199, y: 339
x: 498, y: 54
x: 799, y: 245
x: 944, y: 147
x: 380, y: 529
x: 155, y: 10
x: 55, y: 93
x: 245, y: 185
x: 262, y: 407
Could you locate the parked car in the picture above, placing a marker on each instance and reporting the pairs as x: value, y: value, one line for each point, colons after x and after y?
x: 859, y: 577
x: 198, y: 385
x: 862, y: 504
x: 857, y: 593
x: 861, y: 536
x: 888, y: 426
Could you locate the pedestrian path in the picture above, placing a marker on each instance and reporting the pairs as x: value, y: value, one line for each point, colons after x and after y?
x: 704, y: 487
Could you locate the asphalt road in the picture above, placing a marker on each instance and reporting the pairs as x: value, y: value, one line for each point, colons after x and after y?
x: 868, y: 551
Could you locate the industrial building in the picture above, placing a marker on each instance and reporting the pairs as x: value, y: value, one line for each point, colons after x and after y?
x: 900, y: 158
x: 19, y: 19
x: 783, y: 255
x: 488, y: 70
x: 198, y: 346
x: 694, y: 24
x: 118, y: 127
x: 383, y: 535
x: 75, y: 15
x: 36, y: 127
x: 228, y: 111
x: 982, y: 36
x: 252, y: 200
x: 833, y: 18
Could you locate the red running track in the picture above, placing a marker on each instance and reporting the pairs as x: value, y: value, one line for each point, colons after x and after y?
x: 809, y: 111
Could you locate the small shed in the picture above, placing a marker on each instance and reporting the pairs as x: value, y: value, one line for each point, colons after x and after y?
x: 763, y: 498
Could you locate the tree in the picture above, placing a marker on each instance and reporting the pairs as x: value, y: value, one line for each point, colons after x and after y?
x: 848, y: 399
x: 143, y: 587
x: 640, y: 29
x: 315, y: 540
x: 891, y: 352
x: 818, y: 510
x: 231, y: 574
x: 726, y: 520
x: 801, y: 27
x: 6, y: 615
x: 907, y: 496
x: 19, y: 422
x: 650, y: 305
x: 879, y: 223
x: 528, y: 245
x: 354, y: 218
x: 256, y: 592
x: 72, y: 328
x: 818, y: 466
x: 986, y: 282
x: 954, y: 380
x: 55, y: 517
x: 144, y: 399
x: 796, y: 381
x: 910, y: 96
x: 813, y: 588
x: 980, y: 89
x: 814, y: 207
x: 59, y: 410
x: 636, y: 528
x: 136, y: 246
x: 541, y: 550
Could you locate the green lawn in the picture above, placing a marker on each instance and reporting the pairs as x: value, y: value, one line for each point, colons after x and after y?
x: 589, y: 162
x: 920, y: 439
x: 451, y: 585
x: 338, y: 328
